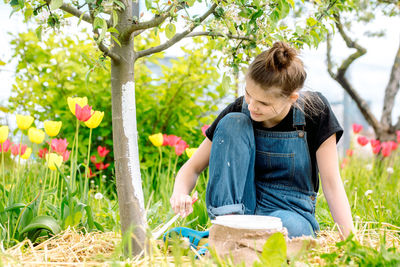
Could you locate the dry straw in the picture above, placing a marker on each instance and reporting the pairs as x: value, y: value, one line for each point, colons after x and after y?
x: 71, y: 248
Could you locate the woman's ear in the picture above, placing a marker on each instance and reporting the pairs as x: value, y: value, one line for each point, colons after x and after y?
x: 294, y: 96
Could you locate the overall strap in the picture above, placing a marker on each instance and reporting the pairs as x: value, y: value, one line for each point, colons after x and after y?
x: 299, y: 121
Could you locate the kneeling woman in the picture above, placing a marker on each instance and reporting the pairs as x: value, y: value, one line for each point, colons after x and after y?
x: 265, y: 150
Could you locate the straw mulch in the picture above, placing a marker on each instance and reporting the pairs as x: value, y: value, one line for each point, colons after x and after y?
x: 71, y: 248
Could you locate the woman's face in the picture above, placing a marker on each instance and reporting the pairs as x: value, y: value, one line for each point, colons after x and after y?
x: 267, y: 106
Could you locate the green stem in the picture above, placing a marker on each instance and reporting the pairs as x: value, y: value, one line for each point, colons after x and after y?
x: 159, y: 164
x: 4, y: 178
x: 43, y: 189
x: 73, y: 176
x: 86, y: 179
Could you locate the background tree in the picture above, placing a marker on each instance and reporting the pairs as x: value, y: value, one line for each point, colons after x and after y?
x: 367, y: 11
x: 249, y: 25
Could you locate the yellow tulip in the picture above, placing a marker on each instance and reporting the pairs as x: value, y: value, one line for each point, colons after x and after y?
x: 24, y: 122
x: 53, y: 160
x: 95, y: 120
x: 52, y: 128
x: 81, y: 101
x: 27, y: 153
x: 35, y: 135
x: 190, y: 151
x: 3, y: 134
x: 156, y: 139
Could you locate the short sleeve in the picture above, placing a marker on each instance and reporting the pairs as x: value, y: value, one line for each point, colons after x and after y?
x: 233, y: 107
x: 328, y: 123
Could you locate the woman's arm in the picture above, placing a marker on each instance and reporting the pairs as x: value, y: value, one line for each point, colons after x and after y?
x: 327, y: 160
x: 187, y: 177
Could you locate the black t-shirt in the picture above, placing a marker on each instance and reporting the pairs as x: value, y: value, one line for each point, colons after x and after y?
x: 318, y: 127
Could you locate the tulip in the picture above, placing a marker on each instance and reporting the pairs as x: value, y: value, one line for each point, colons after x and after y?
x: 349, y: 152
x: 83, y: 114
x: 374, y: 142
x: 171, y: 140
x: 42, y: 152
x: 204, y: 129
x: 59, y: 145
x: 103, y: 151
x: 386, y: 149
x: 344, y: 163
x: 90, y: 174
x: 93, y: 159
x: 165, y: 140
x: 190, y: 151
x: 101, y: 166
x: 18, y: 149
x: 65, y: 155
x: 156, y: 139
x: 398, y: 136
x: 3, y: 133
x: 72, y: 101
x: 52, y: 128
x: 53, y: 160
x: 393, y: 145
x: 27, y: 153
x: 362, y: 140
x: 180, y: 147
x: 5, y: 146
x: 376, y: 149
x: 94, y: 120
x: 24, y: 122
x: 35, y: 135
x: 357, y: 128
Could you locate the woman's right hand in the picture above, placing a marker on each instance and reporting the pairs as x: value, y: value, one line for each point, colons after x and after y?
x: 181, y: 203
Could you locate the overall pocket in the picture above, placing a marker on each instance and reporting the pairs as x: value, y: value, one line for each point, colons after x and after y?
x: 271, y: 166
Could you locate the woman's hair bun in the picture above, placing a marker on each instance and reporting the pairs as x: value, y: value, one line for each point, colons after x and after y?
x: 280, y: 56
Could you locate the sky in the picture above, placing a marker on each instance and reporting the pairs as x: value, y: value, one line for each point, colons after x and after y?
x: 369, y: 74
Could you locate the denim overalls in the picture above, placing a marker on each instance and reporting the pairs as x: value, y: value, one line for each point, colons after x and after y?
x: 253, y: 171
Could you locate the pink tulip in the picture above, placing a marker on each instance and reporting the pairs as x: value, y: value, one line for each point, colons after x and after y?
x: 5, y: 146
x: 386, y: 149
x: 15, y: 149
x: 375, y: 142
x: 171, y: 140
x: 180, y: 147
x: 42, y: 153
x: 65, y: 155
x: 357, y: 128
x: 59, y: 145
x: 393, y: 145
x: 83, y: 114
x: 204, y: 129
x: 349, y: 152
x: 362, y: 140
x: 398, y: 136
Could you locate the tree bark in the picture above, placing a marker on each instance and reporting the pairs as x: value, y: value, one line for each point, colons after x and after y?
x: 125, y: 137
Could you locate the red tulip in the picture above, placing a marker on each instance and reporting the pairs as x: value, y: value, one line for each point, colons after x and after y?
x: 375, y: 142
x: 173, y: 140
x: 357, y: 128
x: 5, y: 146
x: 83, y: 114
x: 15, y: 149
x: 165, y: 140
x: 103, y: 151
x: 101, y: 166
x: 65, y: 155
x: 59, y: 145
x: 180, y: 147
x: 376, y: 149
x: 90, y: 174
x: 386, y: 149
x: 398, y: 136
x: 349, y: 152
x: 42, y: 153
x: 362, y: 140
x: 93, y: 159
x: 393, y: 145
x: 204, y: 129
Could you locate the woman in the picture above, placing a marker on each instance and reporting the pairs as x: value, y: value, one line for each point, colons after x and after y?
x: 265, y: 150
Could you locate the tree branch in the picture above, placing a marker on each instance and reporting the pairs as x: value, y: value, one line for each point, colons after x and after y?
x: 340, y: 75
x: 391, y: 91
x: 157, y: 20
x: 106, y: 50
x: 328, y: 56
x: 194, y: 34
x: 177, y: 37
x: 74, y: 11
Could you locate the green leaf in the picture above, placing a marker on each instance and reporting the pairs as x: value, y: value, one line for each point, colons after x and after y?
x: 112, y: 29
x: 226, y: 81
x: 274, y: 250
x: 170, y: 30
x: 103, y: 31
x: 26, y: 218
x: 120, y: 4
x: 42, y: 222
x: 38, y: 32
x: 285, y: 8
x: 115, y: 18
x: 15, y: 206
x: 55, y: 4
x: 2, y: 63
x: 148, y: 4
x: 77, y: 217
x: 116, y: 40
x: 311, y: 21
x: 190, y: 2
x: 80, y: 17
x: 97, y: 23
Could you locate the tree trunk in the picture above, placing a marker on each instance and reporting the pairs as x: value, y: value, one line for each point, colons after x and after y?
x: 126, y: 152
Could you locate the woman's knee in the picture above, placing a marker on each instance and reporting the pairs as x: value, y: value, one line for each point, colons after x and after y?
x: 296, y: 224
x: 234, y: 124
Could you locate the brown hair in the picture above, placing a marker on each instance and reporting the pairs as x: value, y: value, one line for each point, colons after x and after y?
x: 281, y: 67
